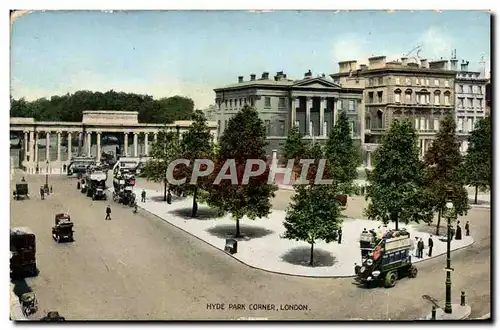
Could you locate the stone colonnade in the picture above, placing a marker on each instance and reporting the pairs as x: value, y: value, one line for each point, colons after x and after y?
x: 321, y: 122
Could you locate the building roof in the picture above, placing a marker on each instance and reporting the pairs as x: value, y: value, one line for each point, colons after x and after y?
x: 282, y: 83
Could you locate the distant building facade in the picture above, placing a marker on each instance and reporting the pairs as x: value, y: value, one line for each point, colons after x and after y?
x: 470, y: 101
x: 310, y: 103
x: 395, y: 90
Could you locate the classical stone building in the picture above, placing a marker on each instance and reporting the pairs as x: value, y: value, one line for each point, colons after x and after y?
x: 135, y: 137
x: 393, y: 90
x: 470, y: 101
x: 311, y: 103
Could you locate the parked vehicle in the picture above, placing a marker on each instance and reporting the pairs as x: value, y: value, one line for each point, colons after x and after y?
x: 22, y: 252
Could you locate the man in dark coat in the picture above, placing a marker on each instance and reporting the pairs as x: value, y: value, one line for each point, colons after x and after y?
x: 143, y: 196
x: 420, y: 249
x: 64, y: 168
x: 108, y: 213
x: 339, y: 233
x: 458, y: 233
x: 42, y: 192
x: 467, y: 229
x: 431, y: 245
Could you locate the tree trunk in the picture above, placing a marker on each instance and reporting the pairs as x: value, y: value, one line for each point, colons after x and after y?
x: 397, y: 223
x: 238, y: 234
x: 311, y: 259
x: 439, y: 223
x: 195, y: 204
x: 475, y: 197
x: 165, y: 190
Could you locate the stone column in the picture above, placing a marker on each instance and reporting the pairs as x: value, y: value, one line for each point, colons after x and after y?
x: 309, y: 104
x: 369, y: 159
x: 297, y: 104
x: 58, y: 146
x: 293, y: 111
x: 322, y: 107
x: 47, y: 146
x: 35, y: 149
x: 125, y: 144
x: 89, y: 143
x: 32, y: 146
x: 136, y: 136
x: 146, y: 147
x: 26, y: 146
x: 69, y: 146
x: 98, y: 148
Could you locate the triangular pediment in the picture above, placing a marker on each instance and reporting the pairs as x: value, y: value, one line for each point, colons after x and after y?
x: 313, y: 83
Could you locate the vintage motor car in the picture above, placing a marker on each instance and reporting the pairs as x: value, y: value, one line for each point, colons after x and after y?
x: 22, y: 252
x: 21, y: 191
x: 63, y: 229
x: 388, y: 260
x: 29, y: 303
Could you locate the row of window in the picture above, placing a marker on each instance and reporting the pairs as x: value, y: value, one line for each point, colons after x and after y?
x: 471, y: 103
x: 422, y: 98
x: 410, y: 81
x: 236, y: 103
x: 419, y: 124
x: 465, y: 124
x: 471, y: 89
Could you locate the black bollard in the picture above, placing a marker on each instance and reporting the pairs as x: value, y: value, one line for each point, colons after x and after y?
x: 433, y: 314
x: 462, y: 299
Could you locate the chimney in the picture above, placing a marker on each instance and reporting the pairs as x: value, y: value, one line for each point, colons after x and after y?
x: 453, y: 63
x: 424, y: 64
x: 464, y: 66
x: 363, y: 66
x: 240, y: 79
x: 308, y: 74
x: 265, y: 75
x: 404, y: 60
x: 252, y: 77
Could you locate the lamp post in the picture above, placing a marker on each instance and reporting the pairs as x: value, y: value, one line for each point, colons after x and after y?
x: 449, y: 216
x: 47, y: 174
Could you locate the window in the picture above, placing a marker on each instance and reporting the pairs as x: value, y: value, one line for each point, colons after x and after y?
x: 460, y: 88
x: 427, y: 98
x: 479, y: 89
x: 407, y: 81
x: 470, y: 122
x: 352, y: 105
x: 460, y: 102
x: 339, y: 104
x: 380, y: 80
x: 469, y: 102
x: 460, y: 125
x: 417, y: 81
x: 351, y: 126
x: 446, y: 99
x: 436, y: 124
x: 252, y: 101
x: 231, y: 103
x: 446, y: 83
x: 422, y: 123
x: 225, y: 104
x: 408, y: 96
x: 397, y: 96
x: 281, y: 102
x: 398, y: 81
x: 281, y: 128
x: 370, y: 97
x: 427, y: 82
x: 245, y: 101
x: 267, y: 102
x: 423, y: 99
x: 379, y: 97
x: 436, y: 82
x: 436, y: 99
x: 471, y: 89
x: 267, y: 124
x: 416, y: 124
x: 480, y: 103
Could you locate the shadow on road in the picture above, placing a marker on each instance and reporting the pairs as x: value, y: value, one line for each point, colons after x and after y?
x: 20, y: 287
x: 300, y: 256
x: 247, y: 232
x: 160, y: 198
x: 204, y: 213
x: 479, y: 202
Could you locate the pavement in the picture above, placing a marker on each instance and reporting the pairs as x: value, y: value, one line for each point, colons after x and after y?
x: 139, y: 267
x: 262, y: 246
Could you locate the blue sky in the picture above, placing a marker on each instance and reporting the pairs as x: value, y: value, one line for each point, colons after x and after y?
x: 190, y: 53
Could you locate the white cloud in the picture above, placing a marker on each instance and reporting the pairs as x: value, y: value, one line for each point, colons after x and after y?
x: 202, y: 94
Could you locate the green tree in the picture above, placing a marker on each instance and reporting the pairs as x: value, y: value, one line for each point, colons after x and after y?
x: 342, y: 155
x: 396, y: 190
x: 295, y: 148
x: 477, y: 164
x: 196, y: 143
x: 313, y: 215
x: 443, y: 163
x: 163, y: 152
x: 244, y: 139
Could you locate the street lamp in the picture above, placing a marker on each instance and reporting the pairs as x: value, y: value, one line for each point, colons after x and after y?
x: 449, y: 216
x: 47, y: 175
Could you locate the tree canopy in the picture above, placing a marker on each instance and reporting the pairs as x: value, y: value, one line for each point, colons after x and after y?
x: 342, y: 155
x: 70, y: 107
x: 396, y: 191
x: 443, y: 163
x: 244, y: 139
x: 477, y: 164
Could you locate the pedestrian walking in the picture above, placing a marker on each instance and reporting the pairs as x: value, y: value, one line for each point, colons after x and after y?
x: 458, y: 232
x: 339, y: 236
x: 51, y: 190
x: 143, y: 196
x: 169, y: 197
x: 24, y: 180
x: 420, y: 248
x: 467, y: 229
x: 108, y: 213
x: 42, y: 193
x: 135, y: 207
x: 431, y: 245
x: 64, y: 168
x: 37, y: 169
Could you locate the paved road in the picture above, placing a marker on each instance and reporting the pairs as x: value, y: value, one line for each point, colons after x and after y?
x: 140, y: 267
